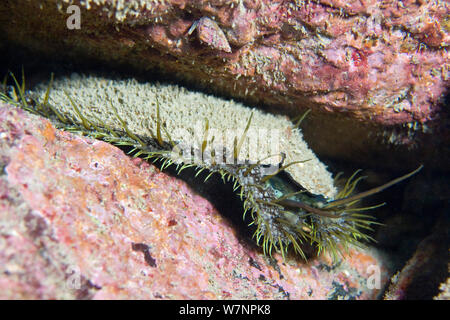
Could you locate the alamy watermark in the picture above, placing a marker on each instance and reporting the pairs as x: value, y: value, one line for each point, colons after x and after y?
x: 73, y: 22
x: 374, y: 279
x: 73, y: 281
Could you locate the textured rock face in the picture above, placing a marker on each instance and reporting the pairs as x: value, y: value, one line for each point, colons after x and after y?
x: 420, y: 277
x: 80, y: 219
x: 357, y: 65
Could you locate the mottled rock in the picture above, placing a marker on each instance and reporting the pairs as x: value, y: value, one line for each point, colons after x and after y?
x: 375, y: 71
x: 81, y: 220
x: 422, y: 275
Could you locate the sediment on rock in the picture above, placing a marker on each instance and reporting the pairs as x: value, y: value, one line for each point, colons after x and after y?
x: 373, y: 75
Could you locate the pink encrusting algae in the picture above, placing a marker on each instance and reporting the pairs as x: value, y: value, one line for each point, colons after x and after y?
x: 376, y: 72
x: 383, y: 62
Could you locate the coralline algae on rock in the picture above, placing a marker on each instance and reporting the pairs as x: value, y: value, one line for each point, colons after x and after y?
x: 373, y: 73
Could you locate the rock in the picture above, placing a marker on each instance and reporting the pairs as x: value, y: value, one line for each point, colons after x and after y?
x: 81, y: 220
x: 426, y: 271
x: 445, y: 291
x: 373, y: 73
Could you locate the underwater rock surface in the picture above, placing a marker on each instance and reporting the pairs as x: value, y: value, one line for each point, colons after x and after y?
x: 372, y: 72
x: 420, y: 277
x: 80, y: 219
